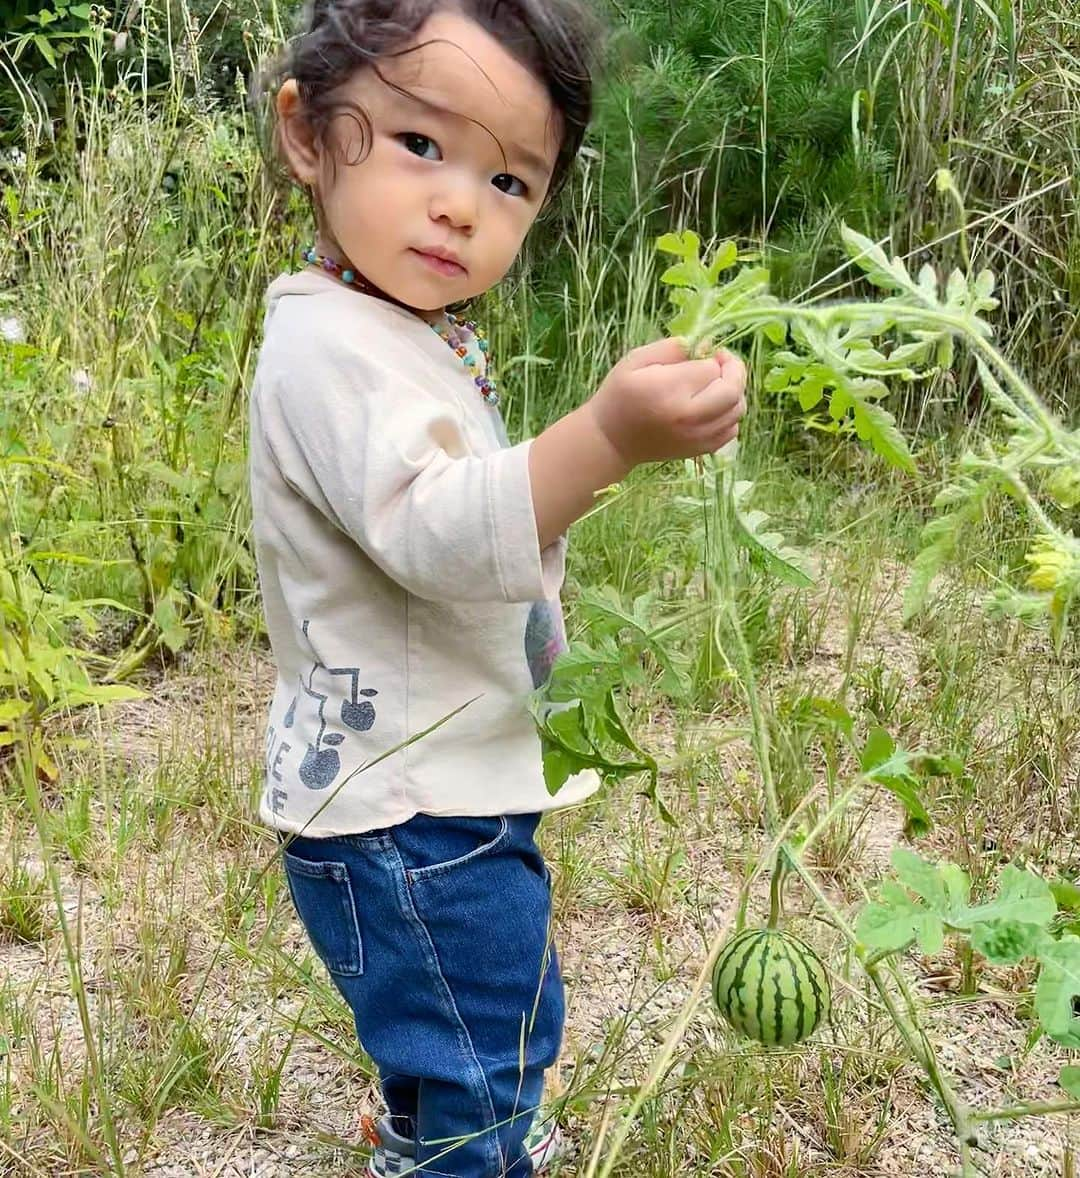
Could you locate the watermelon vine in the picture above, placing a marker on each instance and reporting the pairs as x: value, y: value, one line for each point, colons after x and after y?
x: 835, y: 359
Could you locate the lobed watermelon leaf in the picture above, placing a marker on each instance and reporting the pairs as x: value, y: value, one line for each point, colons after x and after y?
x: 874, y: 263
x: 1057, y: 992
x: 878, y: 427
x: 944, y: 891
x: 1069, y: 1079
x: 1023, y: 898
x: 895, y: 920
x: 1006, y: 930
x: 768, y: 549
x: 1007, y: 942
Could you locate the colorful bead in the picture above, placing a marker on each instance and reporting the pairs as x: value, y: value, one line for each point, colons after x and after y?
x: 486, y: 386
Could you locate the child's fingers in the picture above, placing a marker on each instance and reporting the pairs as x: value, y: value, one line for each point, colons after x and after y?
x: 719, y: 438
x: 721, y: 431
x: 662, y: 351
x: 722, y: 398
x: 731, y: 365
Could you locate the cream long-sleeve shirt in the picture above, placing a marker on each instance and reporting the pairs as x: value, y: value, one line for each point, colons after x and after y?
x: 401, y: 574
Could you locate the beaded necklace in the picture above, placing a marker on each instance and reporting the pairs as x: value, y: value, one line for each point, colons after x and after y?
x: 454, y: 338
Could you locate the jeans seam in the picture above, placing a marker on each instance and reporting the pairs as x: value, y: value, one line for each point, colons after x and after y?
x: 408, y: 909
x: 435, y: 869
x: 340, y: 877
x: 364, y: 843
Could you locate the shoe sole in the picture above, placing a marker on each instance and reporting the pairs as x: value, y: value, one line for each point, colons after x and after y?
x: 543, y: 1154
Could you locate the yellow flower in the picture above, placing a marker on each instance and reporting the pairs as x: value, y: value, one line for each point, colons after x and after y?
x: 1055, y: 563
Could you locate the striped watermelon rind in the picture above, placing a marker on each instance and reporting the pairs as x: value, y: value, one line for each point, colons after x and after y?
x: 771, y: 986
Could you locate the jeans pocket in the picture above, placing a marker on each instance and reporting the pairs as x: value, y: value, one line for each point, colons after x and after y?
x: 322, y: 894
x: 488, y: 836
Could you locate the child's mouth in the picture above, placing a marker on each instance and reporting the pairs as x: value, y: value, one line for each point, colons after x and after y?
x: 441, y: 265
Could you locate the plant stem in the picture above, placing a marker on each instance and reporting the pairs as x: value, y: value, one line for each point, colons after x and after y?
x: 788, y: 858
x: 775, y: 892
x: 1035, y: 1108
x: 993, y: 357
x: 908, y: 1025
x: 743, y: 662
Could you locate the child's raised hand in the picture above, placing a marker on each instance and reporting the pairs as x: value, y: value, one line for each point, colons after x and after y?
x: 657, y: 403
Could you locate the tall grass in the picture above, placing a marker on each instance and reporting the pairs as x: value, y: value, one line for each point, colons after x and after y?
x: 998, y: 103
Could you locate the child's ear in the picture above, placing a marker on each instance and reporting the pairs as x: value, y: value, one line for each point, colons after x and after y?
x: 296, y: 135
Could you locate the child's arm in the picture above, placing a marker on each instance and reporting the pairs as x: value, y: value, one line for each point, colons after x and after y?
x: 388, y: 465
x: 655, y: 404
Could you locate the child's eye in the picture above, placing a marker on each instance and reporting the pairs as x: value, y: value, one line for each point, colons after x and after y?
x: 503, y: 181
x: 419, y: 144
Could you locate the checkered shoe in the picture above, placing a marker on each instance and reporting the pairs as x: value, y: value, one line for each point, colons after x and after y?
x: 545, y: 1143
x: 394, y: 1154
x: 391, y: 1154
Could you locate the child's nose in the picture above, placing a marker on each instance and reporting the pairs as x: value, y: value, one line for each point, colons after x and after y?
x: 456, y: 201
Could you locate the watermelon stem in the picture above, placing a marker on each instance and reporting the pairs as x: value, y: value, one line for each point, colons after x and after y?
x: 776, y: 890
x: 1034, y: 1108
x: 724, y: 566
x: 909, y: 1026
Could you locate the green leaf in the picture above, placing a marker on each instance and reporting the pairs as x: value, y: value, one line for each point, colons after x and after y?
x: 682, y: 274
x: 896, y: 920
x: 944, y: 886
x: 576, y: 737
x: 44, y: 48
x: 557, y: 769
x: 619, y: 731
x: 173, y: 632
x: 686, y: 244
x: 1066, y: 895
x: 1023, y: 897
x: 1006, y: 942
x: 885, y: 764
x: 923, y: 878
x: 727, y: 254
x: 872, y: 260
x: 100, y: 693
x: 957, y: 886
x: 879, y: 747
x: 606, y: 611
x: 1069, y: 1079
x: 878, y: 427
x: 940, y: 539
x: 566, y: 726
x: 12, y: 709
x: 767, y: 548
x: 1057, y: 993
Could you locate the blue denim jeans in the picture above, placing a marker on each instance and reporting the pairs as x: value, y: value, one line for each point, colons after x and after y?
x: 437, y: 934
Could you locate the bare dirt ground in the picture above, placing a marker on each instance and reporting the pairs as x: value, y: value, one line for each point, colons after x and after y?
x: 630, y: 947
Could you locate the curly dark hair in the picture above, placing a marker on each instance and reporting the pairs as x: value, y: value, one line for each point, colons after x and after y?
x: 556, y: 40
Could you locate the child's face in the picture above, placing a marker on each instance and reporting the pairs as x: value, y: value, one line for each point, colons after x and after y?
x: 435, y: 176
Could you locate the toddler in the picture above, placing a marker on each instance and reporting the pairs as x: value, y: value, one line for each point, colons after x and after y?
x: 410, y: 558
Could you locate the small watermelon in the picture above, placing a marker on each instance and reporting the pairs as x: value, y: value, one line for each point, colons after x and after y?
x: 770, y: 986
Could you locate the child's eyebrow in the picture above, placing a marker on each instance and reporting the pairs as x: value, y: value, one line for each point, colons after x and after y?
x: 530, y: 158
